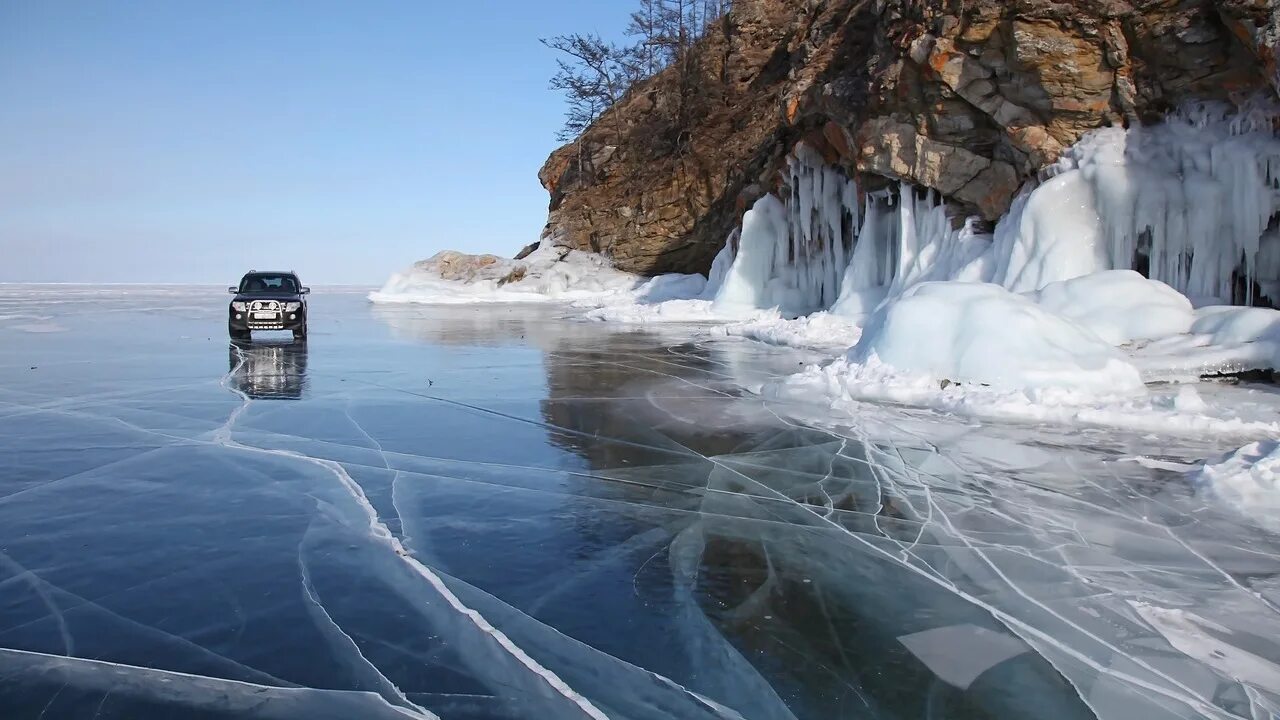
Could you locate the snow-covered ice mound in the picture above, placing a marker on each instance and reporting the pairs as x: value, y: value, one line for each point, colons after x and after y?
x: 982, y: 333
x: 1221, y: 340
x: 1225, y: 324
x: 1119, y: 306
x: 1248, y: 480
x: 547, y: 274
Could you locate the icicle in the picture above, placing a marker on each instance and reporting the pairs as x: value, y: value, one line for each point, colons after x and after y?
x: 809, y: 250
x: 721, y: 264
x: 747, y: 283
x: 1195, y: 199
x: 1194, y: 195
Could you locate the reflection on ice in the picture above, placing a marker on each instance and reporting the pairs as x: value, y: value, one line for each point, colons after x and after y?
x: 269, y: 370
x: 497, y: 514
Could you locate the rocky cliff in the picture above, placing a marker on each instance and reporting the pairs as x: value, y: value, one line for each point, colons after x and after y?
x: 969, y: 97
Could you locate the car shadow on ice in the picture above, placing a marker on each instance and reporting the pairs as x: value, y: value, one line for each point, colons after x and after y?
x: 268, y: 370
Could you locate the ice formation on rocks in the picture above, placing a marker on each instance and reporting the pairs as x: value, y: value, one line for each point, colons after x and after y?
x: 1191, y: 201
x: 721, y: 264
x: 1123, y: 238
x: 1190, y: 198
x: 793, y: 255
x: 831, y: 247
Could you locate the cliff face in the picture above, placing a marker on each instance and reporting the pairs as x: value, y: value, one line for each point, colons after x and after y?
x: 969, y: 98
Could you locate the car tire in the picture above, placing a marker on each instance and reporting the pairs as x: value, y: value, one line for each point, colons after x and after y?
x: 300, y: 334
x: 239, y: 335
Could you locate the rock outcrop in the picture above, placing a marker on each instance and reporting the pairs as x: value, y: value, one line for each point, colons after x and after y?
x: 969, y: 98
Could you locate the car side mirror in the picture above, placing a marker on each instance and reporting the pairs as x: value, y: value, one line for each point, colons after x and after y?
x: 233, y: 290
x: 306, y: 291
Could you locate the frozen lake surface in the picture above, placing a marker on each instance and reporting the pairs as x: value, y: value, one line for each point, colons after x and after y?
x: 491, y: 512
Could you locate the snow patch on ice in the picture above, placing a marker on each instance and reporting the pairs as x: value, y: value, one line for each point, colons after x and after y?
x: 819, y: 331
x: 1227, y: 324
x: 1208, y: 642
x: 1221, y: 340
x: 38, y: 327
x: 845, y: 387
x: 671, y: 311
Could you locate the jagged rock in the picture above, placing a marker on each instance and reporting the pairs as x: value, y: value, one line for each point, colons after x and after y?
x: 516, y: 275
x: 1257, y: 24
x: 969, y: 99
x: 527, y: 250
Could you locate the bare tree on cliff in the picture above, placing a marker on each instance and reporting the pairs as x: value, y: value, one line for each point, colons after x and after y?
x: 596, y: 76
x: 652, y: 50
x: 669, y: 32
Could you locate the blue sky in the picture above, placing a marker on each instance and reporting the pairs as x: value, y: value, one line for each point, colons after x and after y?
x: 190, y: 141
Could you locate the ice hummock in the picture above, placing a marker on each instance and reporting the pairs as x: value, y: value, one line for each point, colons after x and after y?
x: 1248, y: 480
x: 982, y: 333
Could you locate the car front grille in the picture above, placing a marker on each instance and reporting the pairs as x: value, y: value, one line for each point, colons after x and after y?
x: 266, y: 315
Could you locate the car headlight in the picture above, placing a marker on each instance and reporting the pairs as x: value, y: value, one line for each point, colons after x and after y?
x: 292, y: 307
x: 238, y: 306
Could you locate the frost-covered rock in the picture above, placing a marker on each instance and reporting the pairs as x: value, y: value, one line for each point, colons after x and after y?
x: 547, y: 274
x: 982, y: 333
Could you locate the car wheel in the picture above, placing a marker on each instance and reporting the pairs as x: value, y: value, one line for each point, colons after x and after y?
x: 300, y: 334
x: 239, y: 335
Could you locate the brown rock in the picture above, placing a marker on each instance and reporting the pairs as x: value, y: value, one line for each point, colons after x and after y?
x: 516, y: 275
x: 453, y: 265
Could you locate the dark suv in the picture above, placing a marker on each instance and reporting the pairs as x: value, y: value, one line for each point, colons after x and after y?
x: 268, y: 301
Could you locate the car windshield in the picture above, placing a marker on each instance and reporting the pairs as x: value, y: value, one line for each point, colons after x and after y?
x: 268, y: 283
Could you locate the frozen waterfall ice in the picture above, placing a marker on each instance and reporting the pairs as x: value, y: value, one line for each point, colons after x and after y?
x: 793, y: 255
x: 1190, y: 200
